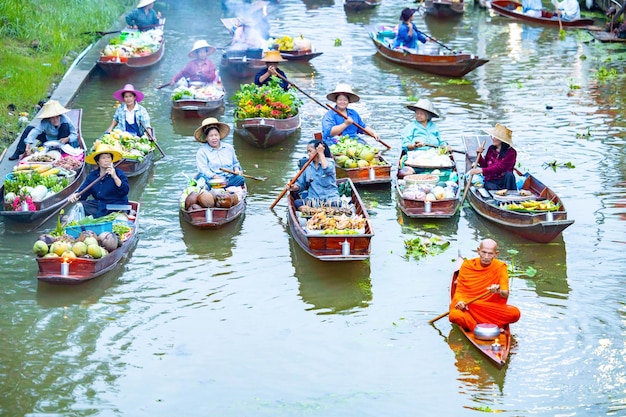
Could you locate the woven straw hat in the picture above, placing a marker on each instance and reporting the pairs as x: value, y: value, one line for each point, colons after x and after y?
x: 501, y: 132
x: 199, y: 45
x: 144, y: 3
x: 128, y: 88
x: 346, y: 90
x: 200, y: 133
x: 423, y: 104
x: 273, y: 56
x: 103, y: 148
x: 50, y: 109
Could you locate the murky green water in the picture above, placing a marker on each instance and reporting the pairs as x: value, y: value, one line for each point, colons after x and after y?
x: 241, y: 322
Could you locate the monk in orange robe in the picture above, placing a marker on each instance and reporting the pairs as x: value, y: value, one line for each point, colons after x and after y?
x: 476, y: 277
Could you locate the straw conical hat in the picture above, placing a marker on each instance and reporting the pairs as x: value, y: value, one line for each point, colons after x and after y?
x: 425, y: 105
x: 103, y: 148
x: 501, y: 132
x: 144, y: 3
x: 346, y: 90
x: 199, y: 45
x: 273, y: 56
x: 50, y: 109
x: 200, y: 133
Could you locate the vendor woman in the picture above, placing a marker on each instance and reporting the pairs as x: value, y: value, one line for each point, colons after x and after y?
x: 130, y: 116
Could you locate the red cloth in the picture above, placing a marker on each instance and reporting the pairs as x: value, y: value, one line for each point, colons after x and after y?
x: 495, y: 167
x: 472, y: 281
x: 197, y: 70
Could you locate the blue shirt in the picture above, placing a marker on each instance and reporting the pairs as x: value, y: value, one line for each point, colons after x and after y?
x: 531, y: 5
x: 403, y: 38
x: 209, y: 160
x: 52, y: 132
x: 105, y: 191
x: 332, y: 119
x: 140, y: 114
x: 284, y: 84
x: 139, y: 18
x: 417, y: 132
x: 319, y: 182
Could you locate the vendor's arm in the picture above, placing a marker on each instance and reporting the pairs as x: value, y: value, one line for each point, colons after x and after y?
x: 72, y: 139
x: 185, y: 72
x: 204, y: 164
x: 328, y: 123
x: 143, y: 117
x: 500, y: 166
x: 31, y: 140
x: 401, y: 37
x: 420, y: 35
x: 120, y: 180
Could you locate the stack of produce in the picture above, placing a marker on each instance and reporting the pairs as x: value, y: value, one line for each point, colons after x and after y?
x: 532, y: 206
x: 429, y: 192
x: 209, y: 92
x: 349, y: 153
x: 134, y: 44
x: 287, y: 43
x: 436, y: 157
x: 336, y: 225
x: 198, y: 197
x: 129, y: 145
x: 267, y: 101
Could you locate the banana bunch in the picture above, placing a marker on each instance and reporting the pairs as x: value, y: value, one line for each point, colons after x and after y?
x: 533, y: 205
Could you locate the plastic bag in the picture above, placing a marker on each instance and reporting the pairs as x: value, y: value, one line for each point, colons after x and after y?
x: 77, y: 213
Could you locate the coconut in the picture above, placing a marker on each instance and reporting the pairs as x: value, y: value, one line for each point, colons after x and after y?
x: 91, y: 240
x: 195, y: 207
x: 59, y: 247
x: 108, y: 241
x: 85, y: 234
x: 47, y: 239
x: 362, y: 163
x: 40, y: 248
x: 191, y: 199
x: 94, y: 251
x: 79, y: 248
x: 205, y: 199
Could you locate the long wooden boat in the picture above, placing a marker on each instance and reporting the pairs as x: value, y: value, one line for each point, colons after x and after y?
x: 537, y: 225
x: 300, y: 55
x: 200, y: 106
x: 453, y: 65
x: 238, y: 65
x: 509, y: 8
x: 47, y: 206
x: 214, y: 217
x: 443, y: 9
x: 605, y: 37
x: 439, y: 209
x: 359, y: 5
x: 331, y: 247
x: 497, y: 356
x: 266, y: 132
x: 85, y: 269
x: 377, y: 174
x: 122, y: 67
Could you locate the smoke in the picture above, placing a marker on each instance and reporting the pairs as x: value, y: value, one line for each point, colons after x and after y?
x: 254, y: 28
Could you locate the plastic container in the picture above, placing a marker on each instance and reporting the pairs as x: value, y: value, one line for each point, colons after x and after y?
x: 75, y: 231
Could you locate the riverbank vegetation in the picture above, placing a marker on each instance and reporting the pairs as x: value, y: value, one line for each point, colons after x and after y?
x: 39, y: 41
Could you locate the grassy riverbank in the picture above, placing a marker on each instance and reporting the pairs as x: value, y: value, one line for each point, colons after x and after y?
x: 39, y: 42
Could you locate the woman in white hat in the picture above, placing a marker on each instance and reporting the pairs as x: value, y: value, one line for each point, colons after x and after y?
x: 263, y: 77
x: 215, y: 155
x: 54, y: 126
x: 201, y: 69
x: 144, y: 16
x: 497, y: 165
x: 130, y: 116
x: 334, y: 125
x: 422, y: 132
x: 111, y: 188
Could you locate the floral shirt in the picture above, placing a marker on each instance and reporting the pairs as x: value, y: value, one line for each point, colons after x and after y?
x: 319, y: 182
x: 140, y: 114
x: 52, y: 132
x: 209, y: 160
x: 332, y: 119
x: 417, y: 132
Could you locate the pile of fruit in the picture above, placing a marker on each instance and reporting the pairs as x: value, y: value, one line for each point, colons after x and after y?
x: 129, y: 145
x: 349, y: 153
x: 336, y: 225
x: 532, y: 206
x: 134, y: 44
x: 428, y: 192
x: 197, y: 197
x: 287, y: 43
x: 436, y: 157
x: 205, y: 92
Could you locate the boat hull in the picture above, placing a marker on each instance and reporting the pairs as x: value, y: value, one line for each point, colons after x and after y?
x: 299, y: 55
x: 134, y: 167
x: 239, y: 68
x: 218, y: 216
x: 82, y: 269
x: 132, y: 65
x: 197, y: 107
x: 263, y: 133
x: 508, y: 8
x: 443, y: 9
x: 359, y: 5
x: 379, y: 174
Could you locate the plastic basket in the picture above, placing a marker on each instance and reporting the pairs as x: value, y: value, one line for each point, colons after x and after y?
x: 75, y: 231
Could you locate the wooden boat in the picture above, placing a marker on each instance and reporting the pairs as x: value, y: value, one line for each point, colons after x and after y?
x: 214, y: 217
x: 266, y: 132
x: 453, y: 65
x: 124, y: 66
x: 300, y: 55
x: 85, y: 269
x: 238, y: 64
x: 378, y: 174
x: 45, y: 207
x: 605, y: 37
x: 198, y: 106
x: 439, y: 209
x: 443, y: 9
x: 537, y: 225
x: 331, y: 247
x: 359, y: 5
x: 509, y: 9
x: 497, y: 356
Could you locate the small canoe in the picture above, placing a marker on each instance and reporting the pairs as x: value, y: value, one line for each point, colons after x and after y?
x: 509, y: 9
x: 124, y: 66
x: 417, y: 208
x: 199, y: 104
x: 239, y: 65
x: 452, y: 65
x: 332, y: 247
x: 359, y: 5
x: 443, y: 9
x: 535, y: 224
x: 497, y: 356
x: 605, y: 37
x: 300, y: 55
x: 214, y: 217
x: 47, y: 206
x: 265, y: 132
x: 85, y: 269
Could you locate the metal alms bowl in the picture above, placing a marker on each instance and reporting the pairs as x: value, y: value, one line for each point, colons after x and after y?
x: 486, y: 331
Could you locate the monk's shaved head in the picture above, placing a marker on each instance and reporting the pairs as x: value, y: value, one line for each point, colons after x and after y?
x: 489, y: 244
x: 487, y: 251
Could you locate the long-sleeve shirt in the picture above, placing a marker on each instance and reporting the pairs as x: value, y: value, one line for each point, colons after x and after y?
x: 534, y: 5
x: 52, y: 132
x: 139, y: 113
x: 321, y: 183
x: 332, y: 119
x: 495, y: 167
x: 403, y: 38
x: 197, y: 70
x: 139, y: 18
x: 105, y: 191
x: 417, y: 132
x: 257, y: 78
x: 570, y: 9
x: 209, y: 160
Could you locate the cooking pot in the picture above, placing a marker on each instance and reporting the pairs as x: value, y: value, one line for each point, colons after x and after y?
x: 486, y: 331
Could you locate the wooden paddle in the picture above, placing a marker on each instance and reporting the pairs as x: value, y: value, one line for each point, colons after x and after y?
x: 436, y: 41
x: 293, y: 180
x: 152, y: 139
x: 100, y: 33
x: 67, y: 199
x: 162, y: 86
x: 467, y: 303
x: 452, y: 150
x: 244, y: 175
x: 558, y: 16
x: 469, y: 181
x: 332, y: 108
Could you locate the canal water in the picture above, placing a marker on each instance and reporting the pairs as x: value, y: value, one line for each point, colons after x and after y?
x: 242, y: 322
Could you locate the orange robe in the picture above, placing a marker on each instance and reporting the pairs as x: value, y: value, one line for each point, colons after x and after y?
x: 472, y: 281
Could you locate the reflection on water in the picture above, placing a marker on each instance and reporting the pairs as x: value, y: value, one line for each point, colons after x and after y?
x: 216, y: 243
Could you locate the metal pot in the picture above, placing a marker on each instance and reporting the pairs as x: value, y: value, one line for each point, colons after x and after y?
x: 486, y: 331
